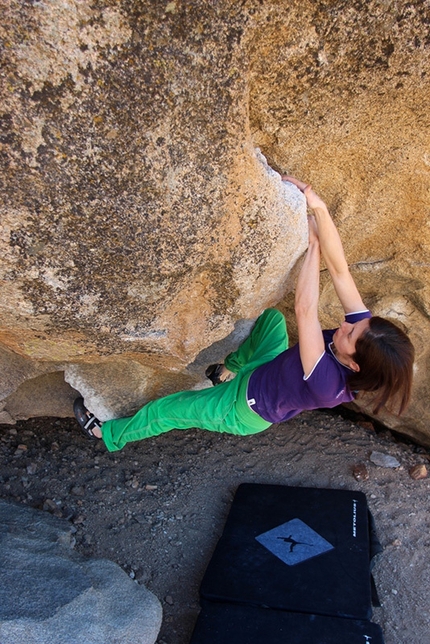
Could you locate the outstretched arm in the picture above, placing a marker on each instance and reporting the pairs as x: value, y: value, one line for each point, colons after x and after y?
x: 311, y: 341
x: 331, y: 249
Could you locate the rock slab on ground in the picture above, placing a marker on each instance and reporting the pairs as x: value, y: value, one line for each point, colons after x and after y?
x: 50, y: 594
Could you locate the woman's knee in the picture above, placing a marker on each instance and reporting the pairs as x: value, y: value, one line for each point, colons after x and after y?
x: 272, y: 318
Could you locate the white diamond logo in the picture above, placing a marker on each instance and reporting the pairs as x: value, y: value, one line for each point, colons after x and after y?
x: 294, y: 542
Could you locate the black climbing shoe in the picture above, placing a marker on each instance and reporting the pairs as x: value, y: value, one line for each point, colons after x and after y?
x: 87, y: 421
x: 213, y: 372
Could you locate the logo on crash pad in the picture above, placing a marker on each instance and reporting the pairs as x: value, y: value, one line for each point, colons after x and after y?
x: 294, y: 542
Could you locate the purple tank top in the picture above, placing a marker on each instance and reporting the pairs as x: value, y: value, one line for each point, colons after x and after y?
x: 278, y: 389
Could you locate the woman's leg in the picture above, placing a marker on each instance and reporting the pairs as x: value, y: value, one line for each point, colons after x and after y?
x: 212, y: 409
x: 267, y: 340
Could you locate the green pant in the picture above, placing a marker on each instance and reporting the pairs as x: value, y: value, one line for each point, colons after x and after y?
x: 223, y: 408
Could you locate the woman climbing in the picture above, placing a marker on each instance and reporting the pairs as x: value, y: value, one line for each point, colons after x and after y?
x: 272, y: 382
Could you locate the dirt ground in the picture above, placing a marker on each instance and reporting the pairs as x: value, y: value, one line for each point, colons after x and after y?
x: 158, y: 507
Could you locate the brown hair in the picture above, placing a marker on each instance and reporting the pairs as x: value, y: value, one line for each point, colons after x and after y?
x: 385, y: 356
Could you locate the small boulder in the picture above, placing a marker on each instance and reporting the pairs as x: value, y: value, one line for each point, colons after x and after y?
x: 51, y: 594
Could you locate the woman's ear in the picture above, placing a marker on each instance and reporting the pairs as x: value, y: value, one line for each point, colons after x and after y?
x: 354, y: 365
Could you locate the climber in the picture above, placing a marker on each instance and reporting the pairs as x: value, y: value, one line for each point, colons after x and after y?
x: 264, y: 381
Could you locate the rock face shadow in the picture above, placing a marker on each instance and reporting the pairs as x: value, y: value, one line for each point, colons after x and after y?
x: 219, y: 350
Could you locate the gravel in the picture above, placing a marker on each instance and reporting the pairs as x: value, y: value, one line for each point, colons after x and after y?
x: 158, y: 507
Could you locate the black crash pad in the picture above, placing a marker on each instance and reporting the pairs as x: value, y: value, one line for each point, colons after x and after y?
x: 235, y: 624
x: 302, y: 550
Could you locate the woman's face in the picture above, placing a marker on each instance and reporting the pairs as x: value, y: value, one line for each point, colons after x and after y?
x: 346, y: 336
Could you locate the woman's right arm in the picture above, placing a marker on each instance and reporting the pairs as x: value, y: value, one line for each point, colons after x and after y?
x: 311, y: 340
x: 331, y: 250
